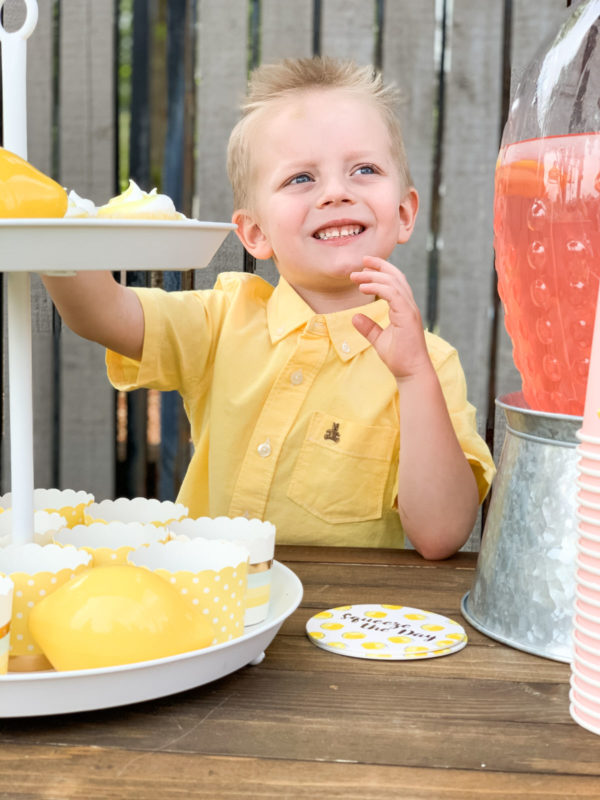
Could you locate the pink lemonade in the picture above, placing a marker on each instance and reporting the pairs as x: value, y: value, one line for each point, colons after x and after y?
x: 547, y: 243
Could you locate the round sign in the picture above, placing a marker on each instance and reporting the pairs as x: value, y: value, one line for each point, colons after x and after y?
x: 388, y: 632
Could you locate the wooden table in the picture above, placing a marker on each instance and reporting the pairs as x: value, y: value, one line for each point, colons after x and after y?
x: 486, y: 722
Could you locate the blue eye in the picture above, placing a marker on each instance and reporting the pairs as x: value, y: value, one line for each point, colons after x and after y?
x: 366, y: 169
x: 302, y: 178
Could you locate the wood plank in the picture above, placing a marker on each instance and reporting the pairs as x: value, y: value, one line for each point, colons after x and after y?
x: 367, y: 555
x: 348, y: 29
x: 89, y: 773
x: 408, y: 62
x: 470, y: 151
x: 286, y: 29
x: 221, y: 74
x: 430, y: 723
x: 87, y: 165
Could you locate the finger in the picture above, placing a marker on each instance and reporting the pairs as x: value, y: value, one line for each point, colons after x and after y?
x: 365, y: 326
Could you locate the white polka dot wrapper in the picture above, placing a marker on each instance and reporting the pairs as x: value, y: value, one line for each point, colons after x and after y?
x: 385, y: 632
x: 212, y: 575
x: 36, y: 571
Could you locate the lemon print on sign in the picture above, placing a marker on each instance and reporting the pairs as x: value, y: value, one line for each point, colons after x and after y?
x: 399, y: 639
x: 354, y: 635
x: 375, y: 614
x: 332, y: 626
x: 392, y: 608
x: 317, y: 634
x: 429, y: 627
x: 324, y: 615
x: 415, y: 616
x: 373, y: 645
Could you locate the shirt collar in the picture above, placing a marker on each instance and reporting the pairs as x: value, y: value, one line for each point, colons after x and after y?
x: 287, y: 311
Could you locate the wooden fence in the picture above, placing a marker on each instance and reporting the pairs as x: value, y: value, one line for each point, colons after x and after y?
x: 452, y: 59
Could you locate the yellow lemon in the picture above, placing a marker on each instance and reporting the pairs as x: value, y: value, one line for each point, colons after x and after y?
x: 373, y: 645
x: 354, y: 635
x: 399, y: 639
x: 316, y: 635
x: 116, y: 615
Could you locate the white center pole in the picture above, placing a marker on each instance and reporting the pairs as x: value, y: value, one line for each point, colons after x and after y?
x: 13, y: 47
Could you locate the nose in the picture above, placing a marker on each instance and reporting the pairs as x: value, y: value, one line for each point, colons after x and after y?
x: 335, y: 191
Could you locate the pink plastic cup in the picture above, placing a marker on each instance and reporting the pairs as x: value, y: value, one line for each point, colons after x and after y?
x: 583, y: 436
x: 585, y: 682
x: 588, y: 468
x: 588, y: 484
x: 589, y: 546
x: 581, y: 717
x: 583, y: 605
x: 589, y: 642
x: 589, y: 529
x: 587, y: 594
x: 588, y: 499
x: 587, y: 579
x: 588, y: 623
x: 585, y: 668
x: 591, y: 563
x: 591, y: 516
x: 583, y: 700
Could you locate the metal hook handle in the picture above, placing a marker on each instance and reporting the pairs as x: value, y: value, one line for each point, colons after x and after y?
x: 26, y: 29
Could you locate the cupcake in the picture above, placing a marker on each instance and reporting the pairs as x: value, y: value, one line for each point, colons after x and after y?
x: 257, y: 536
x: 134, y: 203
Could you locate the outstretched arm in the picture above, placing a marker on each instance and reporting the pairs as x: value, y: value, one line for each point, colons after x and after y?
x: 95, y: 306
x: 437, y: 491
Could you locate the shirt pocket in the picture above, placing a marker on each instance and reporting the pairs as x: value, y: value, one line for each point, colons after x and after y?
x: 342, y: 469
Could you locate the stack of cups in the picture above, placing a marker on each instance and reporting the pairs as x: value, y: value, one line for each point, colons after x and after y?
x: 585, y: 666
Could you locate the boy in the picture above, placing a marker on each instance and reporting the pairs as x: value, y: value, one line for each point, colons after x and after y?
x: 300, y: 396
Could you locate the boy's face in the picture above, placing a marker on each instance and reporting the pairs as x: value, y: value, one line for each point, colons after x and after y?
x: 326, y: 190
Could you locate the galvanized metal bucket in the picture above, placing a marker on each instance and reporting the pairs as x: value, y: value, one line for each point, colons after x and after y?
x: 524, y: 588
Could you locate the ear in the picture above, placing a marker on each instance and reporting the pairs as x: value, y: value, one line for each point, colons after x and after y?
x: 408, y: 214
x: 251, y: 235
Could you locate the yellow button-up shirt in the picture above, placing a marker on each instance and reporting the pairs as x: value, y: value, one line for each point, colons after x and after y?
x: 294, y: 417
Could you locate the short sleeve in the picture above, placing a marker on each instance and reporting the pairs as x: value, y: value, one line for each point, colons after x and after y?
x: 180, y: 334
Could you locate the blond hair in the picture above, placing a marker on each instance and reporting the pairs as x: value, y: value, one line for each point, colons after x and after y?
x: 272, y: 82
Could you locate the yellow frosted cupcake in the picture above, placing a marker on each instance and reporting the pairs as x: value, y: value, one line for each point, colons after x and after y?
x: 134, y: 203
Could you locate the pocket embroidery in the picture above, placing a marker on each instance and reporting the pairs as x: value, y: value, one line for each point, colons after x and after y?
x: 333, y: 433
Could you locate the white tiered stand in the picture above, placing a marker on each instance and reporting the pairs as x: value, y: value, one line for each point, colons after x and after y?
x: 67, y: 246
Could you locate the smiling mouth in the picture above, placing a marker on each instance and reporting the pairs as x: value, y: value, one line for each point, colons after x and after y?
x: 337, y: 232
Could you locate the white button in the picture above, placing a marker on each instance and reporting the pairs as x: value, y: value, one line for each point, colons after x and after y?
x: 297, y: 377
x: 264, y: 449
x: 345, y: 347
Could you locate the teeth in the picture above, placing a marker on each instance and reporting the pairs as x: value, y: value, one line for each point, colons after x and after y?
x: 335, y: 233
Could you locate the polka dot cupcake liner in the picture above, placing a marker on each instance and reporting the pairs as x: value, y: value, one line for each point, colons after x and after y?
x: 111, y: 542
x: 213, y: 575
x: 137, y: 509
x: 36, y: 571
x: 385, y: 632
x: 257, y: 536
x: 69, y: 503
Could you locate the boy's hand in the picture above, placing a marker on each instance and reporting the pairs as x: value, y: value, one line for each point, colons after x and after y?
x: 401, y: 346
